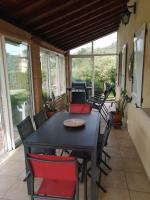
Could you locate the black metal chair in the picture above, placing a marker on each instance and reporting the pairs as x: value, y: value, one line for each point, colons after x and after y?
x: 102, y: 141
x: 99, y: 102
x: 25, y: 128
x: 40, y: 118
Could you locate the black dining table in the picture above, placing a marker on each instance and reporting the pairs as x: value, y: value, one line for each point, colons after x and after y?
x: 53, y: 134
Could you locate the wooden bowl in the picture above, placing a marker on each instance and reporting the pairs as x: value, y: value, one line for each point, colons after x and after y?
x: 74, y: 123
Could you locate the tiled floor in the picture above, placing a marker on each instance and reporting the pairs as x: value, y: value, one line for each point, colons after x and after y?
x: 126, y: 181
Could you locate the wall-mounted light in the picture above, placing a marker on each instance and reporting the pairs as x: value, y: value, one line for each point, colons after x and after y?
x: 125, y: 16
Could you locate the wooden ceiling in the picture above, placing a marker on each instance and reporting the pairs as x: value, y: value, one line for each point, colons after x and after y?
x: 64, y: 23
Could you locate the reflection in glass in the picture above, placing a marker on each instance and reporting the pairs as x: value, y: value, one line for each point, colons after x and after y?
x: 53, y: 72
x: 82, y: 70
x: 44, y: 71
x: 104, y: 72
x: 18, y: 80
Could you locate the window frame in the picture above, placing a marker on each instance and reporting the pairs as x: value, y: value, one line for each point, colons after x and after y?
x: 58, y: 77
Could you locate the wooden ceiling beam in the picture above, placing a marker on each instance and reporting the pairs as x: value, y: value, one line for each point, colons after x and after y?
x: 89, y: 39
x: 64, y: 13
x: 49, y: 9
x: 11, y: 7
x: 29, y: 8
x: 83, y: 23
x: 9, y: 4
x: 91, y: 26
x: 90, y: 33
x: 75, y: 17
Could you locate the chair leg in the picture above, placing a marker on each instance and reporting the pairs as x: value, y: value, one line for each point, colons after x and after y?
x: 85, y: 182
x: 27, y: 176
x: 83, y: 171
x: 106, y: 165
x: 99, y: 182
x: 103, y: 171
x: 77, y: 186
x: 99, y: 179
x: 101, y: 187
x: 106, y: 154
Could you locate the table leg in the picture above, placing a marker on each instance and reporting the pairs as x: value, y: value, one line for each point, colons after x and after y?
x: 93, y: 175
x: 26, y: 151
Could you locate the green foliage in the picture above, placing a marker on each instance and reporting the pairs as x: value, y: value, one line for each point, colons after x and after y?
x: 18, y: 98
x: 122, y: 102
x: 104, y: 71
x: 50, y: 103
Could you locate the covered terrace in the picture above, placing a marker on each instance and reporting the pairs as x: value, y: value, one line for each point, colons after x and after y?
x: 42, y: 48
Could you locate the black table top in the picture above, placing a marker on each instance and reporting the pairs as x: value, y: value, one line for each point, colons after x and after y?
x: 54, y: 134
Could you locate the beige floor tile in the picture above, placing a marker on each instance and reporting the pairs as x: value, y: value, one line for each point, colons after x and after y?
x: 128, y: 152
x: 113, y: 151
x: 115, y: 179
x: 126, y: 169
x: 116, y: 163
x: 18, y: 156
x: 81, y: 192
x: 115, y: 194
x: 112, y: 135
x: 12, y: 168
x: 123, y: 135
x: 6, y: 182
x: 18, y: 192
x: 112, y: 142
x: 138, y: 182
x: 133, y: 165
x: 125, y: 142
x: 139, y: 196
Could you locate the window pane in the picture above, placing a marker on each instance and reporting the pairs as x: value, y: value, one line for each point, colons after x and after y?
x: 82, y: 70
x: 104, y: 72
x: 53, y: 74
x: 105, y: 45
x: 18, y: 79
x: 85, y: 49
x: 62, y: 75
x: 44, y: 71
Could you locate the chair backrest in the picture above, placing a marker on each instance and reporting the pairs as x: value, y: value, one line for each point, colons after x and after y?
x: 80, y: 108
x: 104, y: 112
x: 40, y: 118
x: 52, y: 167
x: 103, y: 137
x: 107, y: 130
x: 25, y: 128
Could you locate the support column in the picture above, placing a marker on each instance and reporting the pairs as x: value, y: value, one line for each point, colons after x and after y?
x: 68, y: 74
x: 36, y: 74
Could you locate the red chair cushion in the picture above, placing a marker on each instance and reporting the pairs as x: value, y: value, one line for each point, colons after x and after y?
x: 80, y: 108
x: 55, y: 188
x: 63, y: 170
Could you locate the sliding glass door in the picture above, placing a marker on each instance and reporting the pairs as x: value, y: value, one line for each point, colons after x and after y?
x: 2, y: 136
x: 19, y: 82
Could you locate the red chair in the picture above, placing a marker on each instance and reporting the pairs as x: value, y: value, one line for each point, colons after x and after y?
x: 58, y: 175
x: 80, y: 108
